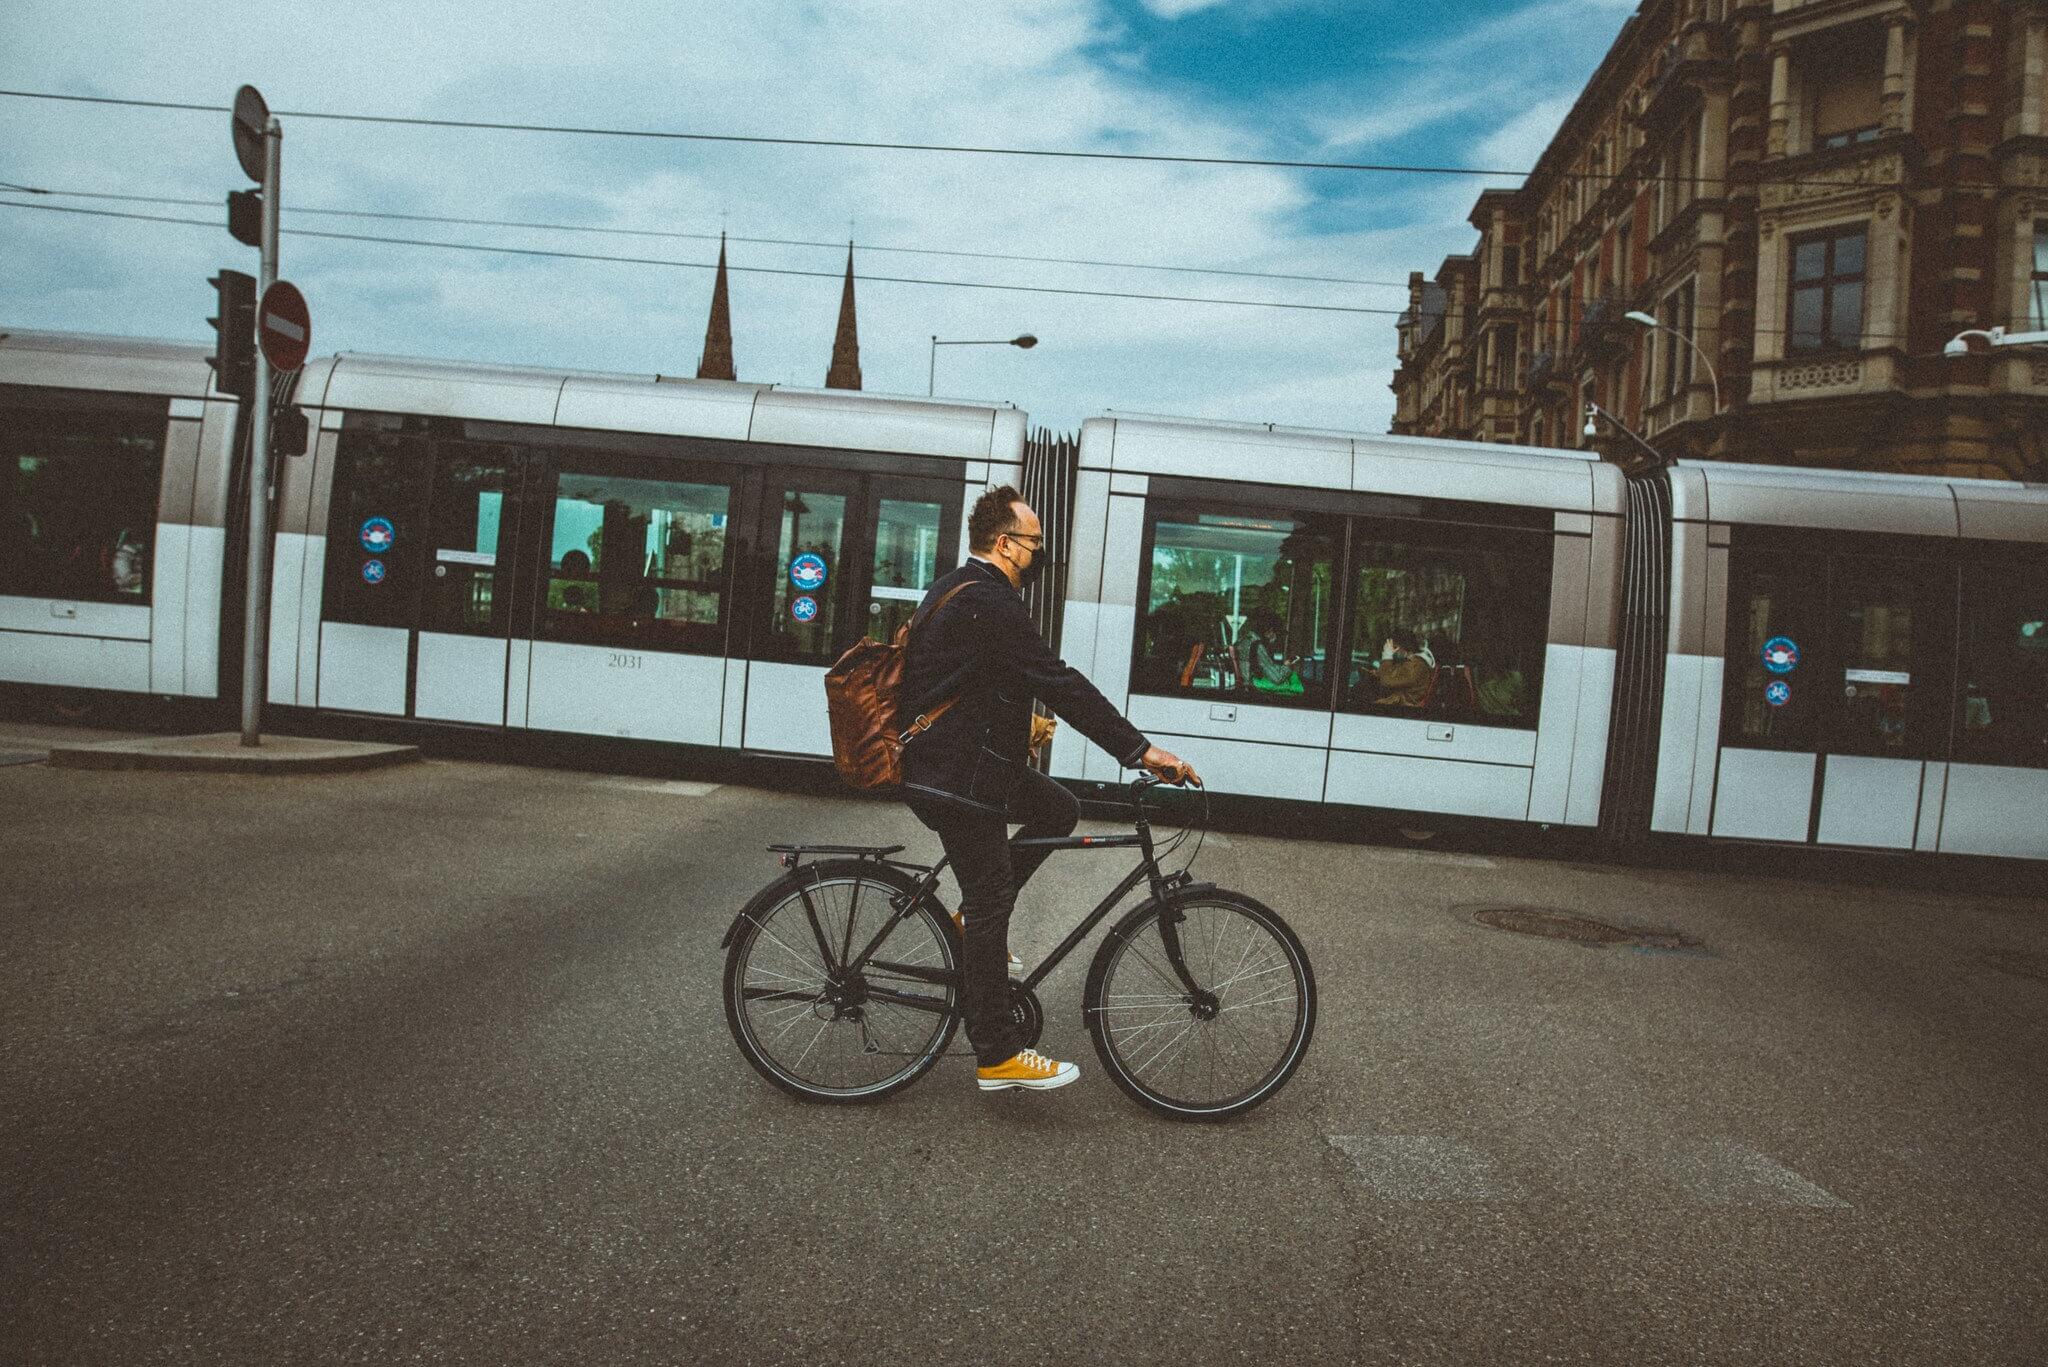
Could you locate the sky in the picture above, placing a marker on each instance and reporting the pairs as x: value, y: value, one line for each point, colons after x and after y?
x: 1482, y: 83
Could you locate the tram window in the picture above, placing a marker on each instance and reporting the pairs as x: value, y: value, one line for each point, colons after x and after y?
x: 1238, y: 603
x: 2005, y: 665
x: 1773, y: 675
x: 1835, y: 652
x: 78, y: 499
x: 464, y: 591
x: 376, y: 527
x: 804, y: 617
x: 1875, y: 612
x: 907, y: 545
x: 637, y: 562
x: 1467, y: 615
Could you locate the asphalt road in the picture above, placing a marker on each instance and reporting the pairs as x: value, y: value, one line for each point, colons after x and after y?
x: 429, y: 1064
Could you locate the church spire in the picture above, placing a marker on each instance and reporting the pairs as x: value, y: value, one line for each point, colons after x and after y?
x: 845, y: 371
x: 716, y: 362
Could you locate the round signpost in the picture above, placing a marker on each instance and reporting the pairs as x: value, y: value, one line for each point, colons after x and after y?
x: 252, y: 116
x: 284, y: 326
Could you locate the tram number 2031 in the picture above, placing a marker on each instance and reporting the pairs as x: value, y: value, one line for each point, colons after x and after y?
x: 620, y: 659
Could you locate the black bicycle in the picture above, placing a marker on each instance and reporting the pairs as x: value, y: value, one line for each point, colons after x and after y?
x: 842, y: 979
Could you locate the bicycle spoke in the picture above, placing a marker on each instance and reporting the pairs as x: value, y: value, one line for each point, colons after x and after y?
x: 1185, y: 1058
x: 856, y: 1043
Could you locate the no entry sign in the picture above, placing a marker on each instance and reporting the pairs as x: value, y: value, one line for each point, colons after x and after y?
x: 283, y: 326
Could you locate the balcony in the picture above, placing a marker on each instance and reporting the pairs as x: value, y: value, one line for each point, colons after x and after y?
x: 1696, y: 55
x: 1830, y: 175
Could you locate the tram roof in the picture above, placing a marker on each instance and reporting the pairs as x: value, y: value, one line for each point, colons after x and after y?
x: 1314, y: 458
x: 126, y: 365
x: 666, y: 405
x: 1859, y: 500
x: 541, y: 396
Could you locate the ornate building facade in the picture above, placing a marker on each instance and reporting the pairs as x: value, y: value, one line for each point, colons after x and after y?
x: 1810, y: 197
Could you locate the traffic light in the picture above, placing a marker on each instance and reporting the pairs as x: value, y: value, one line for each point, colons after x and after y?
x: 289, y: 431
x: 234, y: 350
x: 245, y: 217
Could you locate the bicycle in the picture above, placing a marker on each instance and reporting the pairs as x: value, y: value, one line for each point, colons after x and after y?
x: 1199, y: 1001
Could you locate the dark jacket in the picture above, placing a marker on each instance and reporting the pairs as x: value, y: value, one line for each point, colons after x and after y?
x: 984, y: 646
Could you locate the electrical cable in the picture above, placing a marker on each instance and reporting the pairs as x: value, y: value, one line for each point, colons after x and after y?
x: 1277, y: 163
x: 784, y: 271
x: 714, y: 237
x: 707, y: 265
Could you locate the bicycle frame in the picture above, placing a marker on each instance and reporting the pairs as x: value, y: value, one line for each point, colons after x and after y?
x: 1147, y: 869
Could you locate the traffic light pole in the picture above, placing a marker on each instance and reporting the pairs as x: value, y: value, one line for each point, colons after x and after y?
x: 256, y: 604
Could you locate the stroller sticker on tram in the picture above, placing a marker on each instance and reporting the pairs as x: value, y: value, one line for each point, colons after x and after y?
x: 804, y: 608
x: 373, y: 571
x: 1781, y: 655
x: 807, y: 572
x: 1777, y: 693
x: 378, y: 534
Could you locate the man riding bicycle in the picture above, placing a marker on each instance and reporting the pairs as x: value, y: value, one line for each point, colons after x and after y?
x: 967, y: 777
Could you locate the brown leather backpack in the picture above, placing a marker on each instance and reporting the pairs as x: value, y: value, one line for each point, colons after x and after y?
x: 862, y: 690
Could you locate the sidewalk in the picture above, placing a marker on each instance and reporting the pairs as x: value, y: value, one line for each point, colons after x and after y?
x: 82, y: 748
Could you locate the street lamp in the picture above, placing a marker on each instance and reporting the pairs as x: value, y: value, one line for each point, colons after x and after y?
x: 1979, y: 340
x: 1026, y: 342
x: 1594, y: 410
x: 1638, y: 316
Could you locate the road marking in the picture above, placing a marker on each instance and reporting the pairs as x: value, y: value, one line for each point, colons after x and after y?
x: 677, y: 787
x: 8, y: 757
x: 1721, y: 1172
x: 1414, y: 1167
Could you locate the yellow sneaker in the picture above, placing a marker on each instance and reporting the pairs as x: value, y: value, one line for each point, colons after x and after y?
x: 960, y: 924
x: 1028, y: 1069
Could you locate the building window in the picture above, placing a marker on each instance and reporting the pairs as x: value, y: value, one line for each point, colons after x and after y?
x: 2037, y: 286
x: 1677, y: 315
x: 1827, y: 291
x: 1511, y: 266
x: 1848, y: 87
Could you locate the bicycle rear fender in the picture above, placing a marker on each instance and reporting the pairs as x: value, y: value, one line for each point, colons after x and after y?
x: 780, y: 888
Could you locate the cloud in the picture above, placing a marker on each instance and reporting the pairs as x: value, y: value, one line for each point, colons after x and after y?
x: 1047, y: 73
x: 1178, y: 9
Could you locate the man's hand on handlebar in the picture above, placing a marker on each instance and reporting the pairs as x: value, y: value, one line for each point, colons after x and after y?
x: 1170, y: 768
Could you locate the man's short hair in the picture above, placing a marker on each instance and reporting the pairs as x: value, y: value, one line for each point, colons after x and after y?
x: 1405, y: 639
x: 992, y: 516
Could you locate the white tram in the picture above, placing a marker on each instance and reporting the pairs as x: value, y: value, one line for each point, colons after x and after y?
x: 1715, y: 650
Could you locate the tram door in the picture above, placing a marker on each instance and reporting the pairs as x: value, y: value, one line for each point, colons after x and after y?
x: 842, y: 555
x: 423, y: 545
x: 1837, y: 705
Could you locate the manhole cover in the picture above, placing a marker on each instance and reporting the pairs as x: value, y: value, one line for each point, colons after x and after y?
x: 1550, y: 924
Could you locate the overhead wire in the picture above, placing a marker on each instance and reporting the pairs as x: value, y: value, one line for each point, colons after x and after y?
x: 714, y: 237
x: 787, y: 271
x: 855, y: 144
x: 707, y: 265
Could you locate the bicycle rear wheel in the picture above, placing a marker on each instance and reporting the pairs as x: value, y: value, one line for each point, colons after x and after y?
x: 1221, y: 1046
x: 816, y: 1028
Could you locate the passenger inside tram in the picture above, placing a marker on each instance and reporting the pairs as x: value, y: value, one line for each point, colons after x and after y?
x: 1406, y: 672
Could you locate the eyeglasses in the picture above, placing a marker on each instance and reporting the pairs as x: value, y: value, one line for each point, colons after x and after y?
x: 1037, y: 539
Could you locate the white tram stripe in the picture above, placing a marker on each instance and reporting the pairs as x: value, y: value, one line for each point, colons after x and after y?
x: 1414, y: 1167
x: 1721, y: 1172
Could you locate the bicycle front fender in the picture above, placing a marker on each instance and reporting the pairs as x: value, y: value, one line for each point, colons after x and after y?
x: 1169, y: 925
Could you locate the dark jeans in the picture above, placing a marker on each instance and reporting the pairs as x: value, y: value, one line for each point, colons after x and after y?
x: 990, y: 874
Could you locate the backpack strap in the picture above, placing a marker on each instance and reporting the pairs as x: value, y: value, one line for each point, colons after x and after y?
x: 924, y: 721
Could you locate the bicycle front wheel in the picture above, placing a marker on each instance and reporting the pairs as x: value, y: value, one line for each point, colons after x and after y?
x: 1200, y: 1007
x: 821, y: 1026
